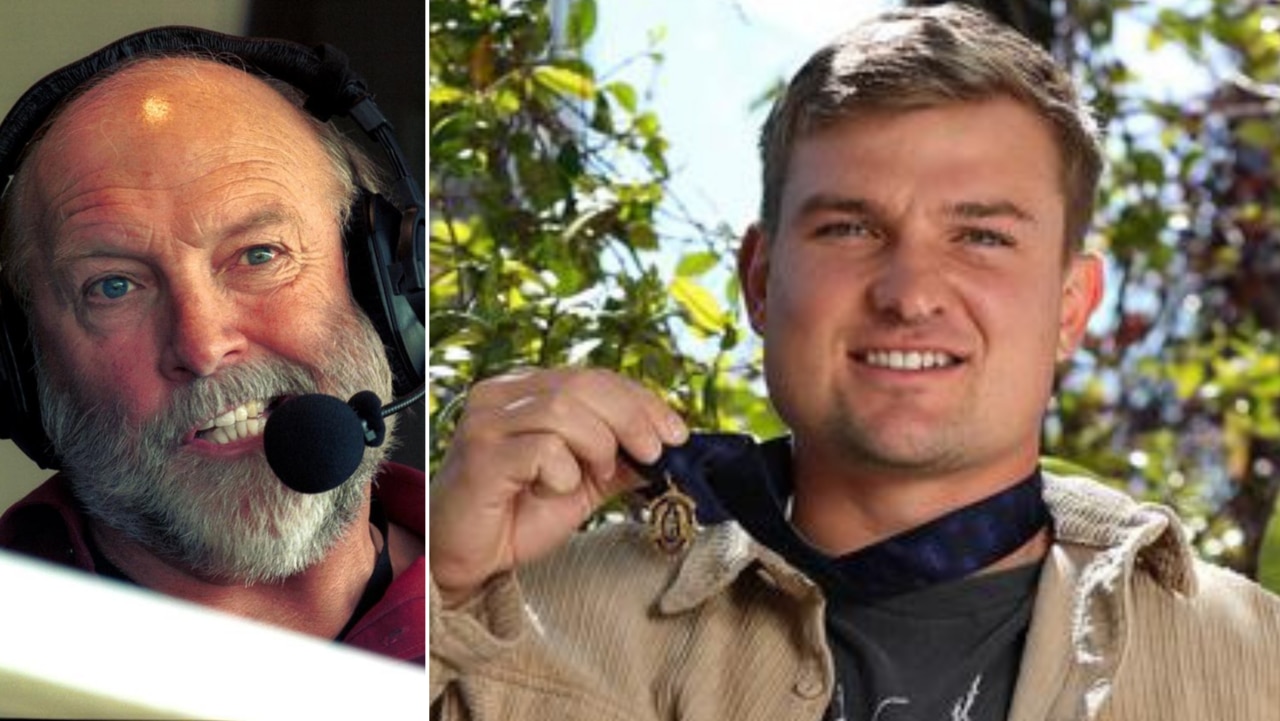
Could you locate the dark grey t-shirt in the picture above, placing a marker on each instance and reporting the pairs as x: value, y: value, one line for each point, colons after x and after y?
x: 947, y: 653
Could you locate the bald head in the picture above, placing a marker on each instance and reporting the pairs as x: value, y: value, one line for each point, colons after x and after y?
x: 178, y: 112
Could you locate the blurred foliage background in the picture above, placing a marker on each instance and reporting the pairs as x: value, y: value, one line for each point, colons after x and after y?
x: 549, y: 192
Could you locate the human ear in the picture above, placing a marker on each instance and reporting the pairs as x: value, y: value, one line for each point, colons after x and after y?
x: 1081, y: 293
x: 753, y: 273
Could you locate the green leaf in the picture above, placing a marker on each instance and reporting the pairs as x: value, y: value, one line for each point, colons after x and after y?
x: 454, y: 230
x: 1064, y: 467
x: 692, y: 265
x: 505, y: 101
x: 641, y: 235
x: 1269, y: 570
x: 602, y: 116
x: 729, y: 339
x: 624, y: 94
x: 565, y: 82
x: 647, y: 125
x: 582, y: 22
x: 570, y: 160
x: 700, y: 306
x: 1148, y: 166
x: 441, y: 94
x: 1187, y: 378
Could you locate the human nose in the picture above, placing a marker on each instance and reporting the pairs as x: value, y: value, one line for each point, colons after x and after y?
x: 203, y: 334
x: 909, y: 287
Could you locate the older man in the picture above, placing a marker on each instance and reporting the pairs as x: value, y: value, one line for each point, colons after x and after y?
x: 175, y: 237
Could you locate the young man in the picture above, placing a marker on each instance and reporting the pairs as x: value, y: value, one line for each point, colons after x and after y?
x: 916, y: 274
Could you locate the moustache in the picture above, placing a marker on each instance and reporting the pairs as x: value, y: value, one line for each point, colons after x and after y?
x: 194, y: 404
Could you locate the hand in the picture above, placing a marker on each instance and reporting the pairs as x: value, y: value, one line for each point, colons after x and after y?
x: 534, y: 454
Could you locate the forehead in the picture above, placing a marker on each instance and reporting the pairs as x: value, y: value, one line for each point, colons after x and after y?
x: 996, y: 139
x: 963, y: 159
x: 164, y: 92
x: 165, y: 122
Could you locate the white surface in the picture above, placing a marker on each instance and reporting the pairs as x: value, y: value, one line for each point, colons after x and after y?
x: 75, y: 646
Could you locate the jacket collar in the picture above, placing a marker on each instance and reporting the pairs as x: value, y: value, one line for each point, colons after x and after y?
x: 1078, y: 631
x: 1085, y: 513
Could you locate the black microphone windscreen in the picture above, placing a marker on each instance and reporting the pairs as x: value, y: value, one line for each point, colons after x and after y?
x: 313, y: 443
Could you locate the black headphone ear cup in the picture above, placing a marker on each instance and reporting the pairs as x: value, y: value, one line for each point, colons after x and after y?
x: 372, y: 236
x: 19, y: 397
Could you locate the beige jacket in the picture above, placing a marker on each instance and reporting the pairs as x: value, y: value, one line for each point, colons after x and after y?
x: 1127, y: 626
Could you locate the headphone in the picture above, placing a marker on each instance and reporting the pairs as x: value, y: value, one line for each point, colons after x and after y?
x: 384, y: 240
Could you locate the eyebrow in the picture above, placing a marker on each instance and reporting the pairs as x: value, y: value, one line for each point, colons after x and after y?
x: 262, y: 218
x: 825, y: 203
x: 997, y: 209
x: 968, y: 209
x: 269, y: 216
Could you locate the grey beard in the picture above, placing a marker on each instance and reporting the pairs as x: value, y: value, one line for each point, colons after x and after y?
x: 230, y: 520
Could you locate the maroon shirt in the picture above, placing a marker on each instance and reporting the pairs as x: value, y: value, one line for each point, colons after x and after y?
x: 49, y: 524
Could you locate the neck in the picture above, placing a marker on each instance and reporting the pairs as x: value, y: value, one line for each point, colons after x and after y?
x: 843, y: 512
x: 318, y: 601
x: 1031, y: 551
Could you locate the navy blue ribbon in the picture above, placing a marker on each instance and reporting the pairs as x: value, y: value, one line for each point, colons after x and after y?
x: 731, y: 476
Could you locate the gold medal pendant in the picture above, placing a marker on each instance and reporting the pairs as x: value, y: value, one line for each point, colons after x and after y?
x: 672, y: 520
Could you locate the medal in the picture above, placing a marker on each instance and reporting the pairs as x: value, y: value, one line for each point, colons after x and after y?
x: 671, y: 519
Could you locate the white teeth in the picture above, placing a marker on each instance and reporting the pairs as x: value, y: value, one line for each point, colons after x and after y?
x: 241, y: 422
x: 909, y: 360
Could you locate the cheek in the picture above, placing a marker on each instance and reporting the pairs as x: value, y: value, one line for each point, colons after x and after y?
x: 807, y: 305
x: 808, y: 292
x: 1023, y: 322
x: 299, y: 324
x: 322, y: 280
x: 120, y: 369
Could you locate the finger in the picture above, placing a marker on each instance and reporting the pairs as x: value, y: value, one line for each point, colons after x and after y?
x: 558, y: 475
x: 608, y: 391
x: 596, y: 411
x: 484, y: 459
x: 553, y: 468
x: 584, y: 433
x: 501, y: 390
x: 640, y: 421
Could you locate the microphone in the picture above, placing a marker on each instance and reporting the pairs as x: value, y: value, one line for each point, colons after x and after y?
x: 315, y: 442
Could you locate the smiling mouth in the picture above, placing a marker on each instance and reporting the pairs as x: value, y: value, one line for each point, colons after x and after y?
x: 908, y: 360
x: 246, y: 420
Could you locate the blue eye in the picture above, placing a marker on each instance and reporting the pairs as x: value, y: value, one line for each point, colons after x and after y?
x: 844, y: 229
x: 259, y: 255
x: 111, y: 288
x: 984, y: 237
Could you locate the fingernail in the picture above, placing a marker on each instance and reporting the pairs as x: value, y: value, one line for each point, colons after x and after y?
x: 676, y: 431
x: 650, y: 453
